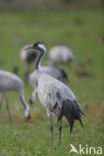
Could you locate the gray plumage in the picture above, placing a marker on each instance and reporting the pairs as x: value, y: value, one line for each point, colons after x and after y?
x: 11, y: 82
x: 53, y: 71
x: 55, y: 96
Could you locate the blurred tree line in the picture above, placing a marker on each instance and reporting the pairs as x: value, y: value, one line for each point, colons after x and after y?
x: 49, y: 4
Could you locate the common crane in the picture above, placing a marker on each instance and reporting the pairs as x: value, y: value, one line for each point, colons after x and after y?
x: 56, y: 97
x: 11, y: 82
x: 28, y: 56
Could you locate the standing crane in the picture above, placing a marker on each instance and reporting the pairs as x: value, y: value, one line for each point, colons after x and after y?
x: 11, y: 82
x: 56, y: 97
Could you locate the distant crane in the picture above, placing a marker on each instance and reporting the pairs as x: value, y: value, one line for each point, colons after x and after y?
x: 53, y: 71
x: 11, y: 82
x: 55, y: 96
x: 28, y: 56
x: 61, y: 54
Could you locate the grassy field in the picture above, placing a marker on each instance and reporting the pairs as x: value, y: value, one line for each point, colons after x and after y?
x: 82, y: 31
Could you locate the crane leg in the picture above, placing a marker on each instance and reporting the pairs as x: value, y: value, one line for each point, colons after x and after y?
x: 7, y: 105
x: 22, y: 101
x: 51, y: 128
x: 1, y: 101
x: 60, y: 131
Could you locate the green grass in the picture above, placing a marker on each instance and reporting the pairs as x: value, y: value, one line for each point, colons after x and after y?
x: 81, y: 30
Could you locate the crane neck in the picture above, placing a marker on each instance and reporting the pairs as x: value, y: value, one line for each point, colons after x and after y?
x: 38, y: 61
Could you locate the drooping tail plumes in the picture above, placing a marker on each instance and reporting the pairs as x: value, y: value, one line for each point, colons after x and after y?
x: 72, y: 112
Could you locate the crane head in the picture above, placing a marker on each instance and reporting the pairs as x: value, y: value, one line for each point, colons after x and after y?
x: 39, y: 46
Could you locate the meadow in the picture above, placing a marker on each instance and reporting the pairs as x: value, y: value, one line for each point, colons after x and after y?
x: 83, y: 32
